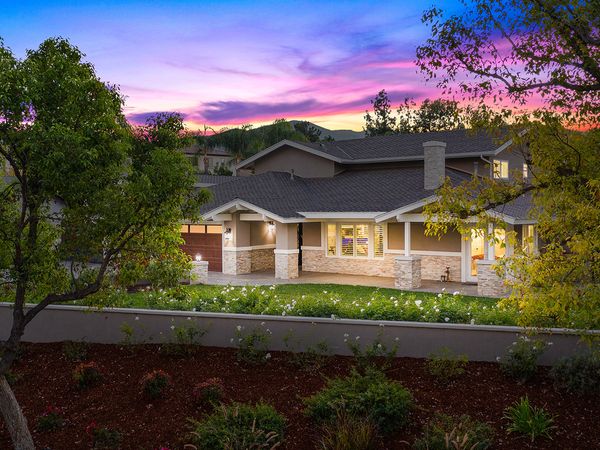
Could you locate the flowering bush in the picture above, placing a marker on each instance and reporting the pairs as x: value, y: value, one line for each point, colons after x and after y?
x: 377, y: 304
x: 252, y: 346
x: 87, y: 375
x: 521, y: 358
x: 51, y: 419
x: 445, y: 366
x: 208, y: 392
x: 154, y: 383
x: 103, y: 438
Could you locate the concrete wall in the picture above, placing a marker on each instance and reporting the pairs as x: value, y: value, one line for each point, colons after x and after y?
x: 417, y: 340
x: 304, y: 164
x: 311, y: 234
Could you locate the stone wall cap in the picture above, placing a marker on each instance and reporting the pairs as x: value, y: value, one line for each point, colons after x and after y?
x: 486, y: 262
x: 434, y: 144
x: 200, y: 263
x: 408, y: 258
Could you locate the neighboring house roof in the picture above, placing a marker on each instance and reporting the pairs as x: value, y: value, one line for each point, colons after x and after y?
x: 362, y: 191
x: 211, y: 180
x: 400, y: 147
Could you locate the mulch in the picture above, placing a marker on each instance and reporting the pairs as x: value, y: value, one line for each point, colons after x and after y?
x: 483, y: 392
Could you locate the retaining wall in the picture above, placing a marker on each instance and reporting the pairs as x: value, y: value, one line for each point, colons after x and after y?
x: 414, y: 339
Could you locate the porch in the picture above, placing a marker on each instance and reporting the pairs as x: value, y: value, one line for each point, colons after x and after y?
x: 267, y: 277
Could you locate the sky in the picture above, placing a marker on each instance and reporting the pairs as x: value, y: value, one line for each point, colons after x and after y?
x: 226, y: 63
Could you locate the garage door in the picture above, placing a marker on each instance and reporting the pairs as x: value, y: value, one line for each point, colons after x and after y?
x: 206, y: 241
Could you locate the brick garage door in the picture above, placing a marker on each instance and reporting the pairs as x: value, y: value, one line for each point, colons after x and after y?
x: 204, y: 240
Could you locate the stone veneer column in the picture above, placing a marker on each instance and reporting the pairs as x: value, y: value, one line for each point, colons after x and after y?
x: 408, y: 272
x: 236, y: 261
x: 286, y: 264
x: 199, y: 272
x: 489, y: 284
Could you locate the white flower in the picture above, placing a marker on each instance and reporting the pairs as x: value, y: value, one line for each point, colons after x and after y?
x: 550, y: 343
x: 333, y: 316
x: 262, y: 324
x: 397, y: 339
x: 418, y: 302
x: 378, y: 345
x: 455, y: 293
x: 447, y: 319
x: 172, y: 327
x: 231, y: 340
x: 357, y: 338
x: 439, y: 295
x: 345, y: 340
x: 346, y: 335
x: 498, y: 358
x: 239, y: 328
x: 189, y: 318
x: 472, y: 321
x: 268, y: 356
x: 137, y: 318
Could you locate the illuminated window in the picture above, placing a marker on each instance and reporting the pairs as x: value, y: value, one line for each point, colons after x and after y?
x: 347, y: 235
x: 500, y: 243
x: 362, y: 240
x: 528, y: 239
x: 500, y: 169
x: 197, y: 229
x: 378, y: 241
x: 331, y: 240
x: 213, y: 229
x: 184, y: 229
x: 525, y: 171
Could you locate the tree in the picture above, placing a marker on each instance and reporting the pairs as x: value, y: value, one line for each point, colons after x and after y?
x: 312, y: 133
x: 430, y: 115
x: 382, y: 122
x: 204, y: 144
x: 549, y: 51
x: 92, y: 204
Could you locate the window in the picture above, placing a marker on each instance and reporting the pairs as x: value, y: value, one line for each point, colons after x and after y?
x: 347, y: 234
x: 528, y: 239
x: 500, y: 169
x: 197, y: 229
x: 525, y: 171
x: 362, y: 240
x: 185, y: 229
x: 331, y: 240
x: 500, y: 243
x: 213, y: 229
x: 378, y: 241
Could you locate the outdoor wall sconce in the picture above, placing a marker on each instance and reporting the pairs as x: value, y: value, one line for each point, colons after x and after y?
x: 198, y: 257
x: 227, y: 234
x: 271, y: 227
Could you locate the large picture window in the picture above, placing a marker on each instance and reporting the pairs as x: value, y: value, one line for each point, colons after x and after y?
x: 355, y: 240
x: 500, y: 169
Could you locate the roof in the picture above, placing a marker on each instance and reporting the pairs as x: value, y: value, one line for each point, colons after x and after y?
x: 205, y: 180
x: 360, y: 191
x: 399, y: 147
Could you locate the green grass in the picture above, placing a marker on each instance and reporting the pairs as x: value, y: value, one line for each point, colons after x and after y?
x: 319, y: 300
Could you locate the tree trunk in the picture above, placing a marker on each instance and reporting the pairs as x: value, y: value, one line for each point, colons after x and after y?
x: 13, y: 418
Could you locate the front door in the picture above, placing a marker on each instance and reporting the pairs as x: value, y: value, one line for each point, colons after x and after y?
x: 475, y: 252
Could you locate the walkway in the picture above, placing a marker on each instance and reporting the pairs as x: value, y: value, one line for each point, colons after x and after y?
x: 268, y: 278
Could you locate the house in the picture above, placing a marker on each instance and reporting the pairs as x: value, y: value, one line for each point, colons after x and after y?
x: 207, y: 161
x: 355, y: 207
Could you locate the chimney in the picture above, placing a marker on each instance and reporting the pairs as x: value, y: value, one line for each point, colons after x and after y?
x: 435, y: 163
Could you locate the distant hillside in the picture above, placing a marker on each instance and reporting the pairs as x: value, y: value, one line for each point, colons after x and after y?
x: 337, y: 135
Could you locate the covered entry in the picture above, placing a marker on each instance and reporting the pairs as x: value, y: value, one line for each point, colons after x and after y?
x: 206, y: 241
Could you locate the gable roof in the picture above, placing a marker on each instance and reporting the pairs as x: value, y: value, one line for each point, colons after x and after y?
x: 399, y: 147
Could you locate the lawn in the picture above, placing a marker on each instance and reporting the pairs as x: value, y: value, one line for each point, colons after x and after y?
x: 319, y: 300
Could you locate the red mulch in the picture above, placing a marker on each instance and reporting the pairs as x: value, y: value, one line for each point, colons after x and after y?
x: 483, y: 392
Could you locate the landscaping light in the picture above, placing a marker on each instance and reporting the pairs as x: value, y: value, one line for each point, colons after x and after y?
x: 271, y: 227
x: 198, y: 257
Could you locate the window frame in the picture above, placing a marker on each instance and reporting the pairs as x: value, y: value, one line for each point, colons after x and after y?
x: 497, y: 175
x: 525, y: 171
x: 370, y: 242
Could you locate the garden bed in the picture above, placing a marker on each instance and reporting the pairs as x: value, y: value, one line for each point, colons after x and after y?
x: 45, y: 379
x: 320, y: 300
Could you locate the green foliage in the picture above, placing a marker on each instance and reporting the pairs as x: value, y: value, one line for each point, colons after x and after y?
x: 186, y: 339
x: 349, y: 433
x: 446, y: 366
x: 222, y: 169
x: 579, y: 373
x: 430, y: 115
x: 128, y: 334
x: 310, y: 132
x: 370, y: 395
x: 87, y: 375
x: 311, y: 359
x: 529, y: 420
x: 239, y: 427
x: 75, y: 351
x: 208, y: 392
x: 445, y: 432
x: 307, y: 300
x: 382, y: 122
x: 12, y: 377
x: 105, y: 438
x: 252, y: 346
x: 155, y: 383
x: 377, y: 354
x: 50, y: 420
x: 520, y: 362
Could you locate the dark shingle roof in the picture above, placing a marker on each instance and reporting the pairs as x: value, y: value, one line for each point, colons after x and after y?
x: 409, y: 145
x: 373, y: 190
x: 210, y: 180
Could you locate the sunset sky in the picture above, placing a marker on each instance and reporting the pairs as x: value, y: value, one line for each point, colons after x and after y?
x: 225, y: 63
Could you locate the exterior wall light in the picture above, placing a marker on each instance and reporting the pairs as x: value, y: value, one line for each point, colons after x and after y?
x: 198, y: 257
x: 227, y: 234
x: 271, y: 227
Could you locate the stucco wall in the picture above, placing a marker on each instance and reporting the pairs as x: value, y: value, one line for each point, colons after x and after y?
x: 304, y: 164
x: 260, y: 234
x: 450, y: 242
x: 311, y: 234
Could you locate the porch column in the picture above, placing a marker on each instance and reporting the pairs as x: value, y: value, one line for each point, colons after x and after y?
x: 407, y: 268
x: 237, y: 257
x: 199, y: 272
x: 489, y: 284
x: 286, y: 251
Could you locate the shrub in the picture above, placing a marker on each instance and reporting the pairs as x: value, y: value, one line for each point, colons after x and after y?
x: 87, y: 375
x: 208, y: 392
x: 456, y: 433
x: 154, y: 383
x: 349, y: 433
x: 528, y: 420
x: 579, y: 373
x: 521, y: 359
x: 252, y: 347
x: 239, y: 427
x: 185, y: 341
x: 50, y: 420
x: 371, y: 395
x: 12, y: 378
x: 311, y: 359
x: 377, y: 354
x: 445, y: 365
x: 75, y: 351
x: 104, y: 438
